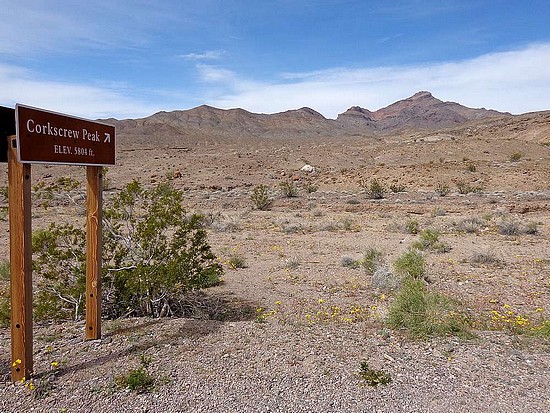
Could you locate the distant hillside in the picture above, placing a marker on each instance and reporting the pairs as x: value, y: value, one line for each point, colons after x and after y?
x: 421, y: 112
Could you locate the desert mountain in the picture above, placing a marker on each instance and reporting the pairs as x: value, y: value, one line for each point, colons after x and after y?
x: 420, y: 112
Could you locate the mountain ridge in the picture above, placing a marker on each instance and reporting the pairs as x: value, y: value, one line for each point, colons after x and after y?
x: 419, y: 112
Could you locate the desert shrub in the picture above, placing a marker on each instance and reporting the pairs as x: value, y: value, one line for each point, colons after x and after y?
x: 60, y: 260
x: 429, y: 240
x: 471, y: 225
x: 5, y: 306
x: 288, y: 189
x: 373, y: 189
x: 260, y: 198
x: 424, y: 314
x: 411, y: 263
x: 508, y: 227
x: 465, y: 188
x: 471, y: 167
x: 371, y: 376
x: 412, y: 226
x: 4, y: 213
x: 63, y: 191
x: 236, y: 261
x: 516, y: 156
x: 224, y: 223
x: 442, y: 189
x: 292, y: 263
x: 156, y: 251
x: 4, y: 270
x: 396, y: 187
x: 350, y: 262
x: 372, y: 259
x: 531, y: 228
x: 384, y: 280
x: 153, y: 253
x: 138, y: 379
x: 542, y: 330
x: 484, y: 258
x: 310, y: 187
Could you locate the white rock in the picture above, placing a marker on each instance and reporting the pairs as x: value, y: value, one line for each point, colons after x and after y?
x: 307, y: 168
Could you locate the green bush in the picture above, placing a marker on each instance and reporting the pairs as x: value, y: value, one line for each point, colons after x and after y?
x: 260, y: 198
x: 429, y: 240
x: 396, y: 187
x: 60, y: 261
x: 442, y: 189
x: 374, y: 190
x: 412, y: 226
x: 138, y: 379
x: 63, y: 191
x: 373, y: 377
x: 237, y: 261
x: 516, y: 156
x: 372, y: 259
x: 156, y: 252
x: 411, y: 263
x: 465, y: 188
x: 4, y: 270
x: 542, y: 330
x: 153, y: 253
x: 424, y: 314
x: 5, y: 306
x: 288, y: 189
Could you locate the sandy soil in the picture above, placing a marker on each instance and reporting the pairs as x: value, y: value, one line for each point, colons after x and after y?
x: 300, y: 358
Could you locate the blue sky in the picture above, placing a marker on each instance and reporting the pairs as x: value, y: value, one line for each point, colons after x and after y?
x: 109, y: 58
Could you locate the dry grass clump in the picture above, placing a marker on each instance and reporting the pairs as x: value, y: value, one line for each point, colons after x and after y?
x: 424, y: 314
x: 510, y: 226
x: 485, y: 258
x: 471, y: 225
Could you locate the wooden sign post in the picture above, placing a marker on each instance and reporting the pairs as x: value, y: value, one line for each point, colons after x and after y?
x: 19, y: 195
x: 52, y: 138
x: 94, y: 175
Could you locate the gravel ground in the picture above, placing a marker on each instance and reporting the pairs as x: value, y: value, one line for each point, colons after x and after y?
x: 246, y: 366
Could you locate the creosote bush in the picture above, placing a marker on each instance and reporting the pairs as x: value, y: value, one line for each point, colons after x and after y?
x: 288, y: 189
x: 396, y: 187
x: 465, y: 188
x: 153, y: 254
x: 60, y: 259
x: 442, y: 189
x: 260, y: 198
x: 373, y: 189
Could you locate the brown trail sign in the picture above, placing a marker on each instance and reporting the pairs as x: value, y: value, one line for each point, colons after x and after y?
x: 48, y: 137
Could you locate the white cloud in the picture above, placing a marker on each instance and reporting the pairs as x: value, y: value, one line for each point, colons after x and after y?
x: 208, y: 55
x: 516, y: 81
x: 20, y: 86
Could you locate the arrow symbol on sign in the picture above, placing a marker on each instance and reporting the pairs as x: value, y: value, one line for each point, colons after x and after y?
x: 107, y: 137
